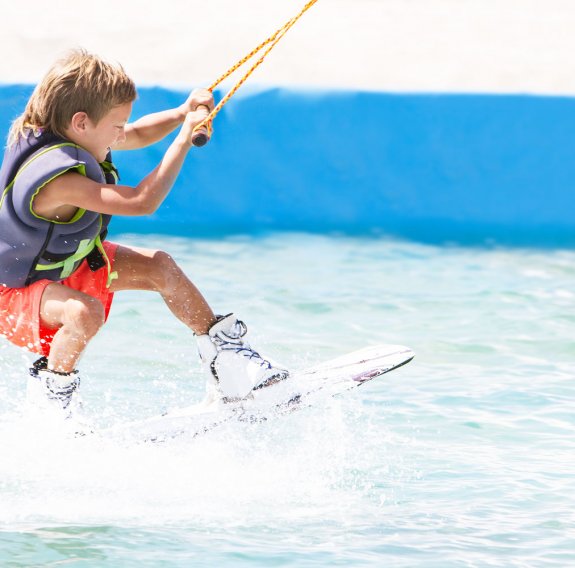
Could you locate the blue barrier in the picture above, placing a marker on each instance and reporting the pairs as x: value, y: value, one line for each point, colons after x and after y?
x: 469, y: 169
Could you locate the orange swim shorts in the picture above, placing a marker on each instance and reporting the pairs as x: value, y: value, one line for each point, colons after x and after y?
x: 20, y: 307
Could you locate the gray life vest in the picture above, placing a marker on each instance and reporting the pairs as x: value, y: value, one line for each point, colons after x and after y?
x: 32, y: 247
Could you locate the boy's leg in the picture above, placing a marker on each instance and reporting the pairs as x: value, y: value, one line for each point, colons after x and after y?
x: 231, y: 361
x: 142, y: 269
x: 77, y: 316
x: 53, y: 385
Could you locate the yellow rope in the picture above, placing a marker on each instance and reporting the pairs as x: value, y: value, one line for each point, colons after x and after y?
x: 271, y: 42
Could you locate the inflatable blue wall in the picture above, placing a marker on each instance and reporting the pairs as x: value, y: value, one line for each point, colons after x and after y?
x: 469, y: 169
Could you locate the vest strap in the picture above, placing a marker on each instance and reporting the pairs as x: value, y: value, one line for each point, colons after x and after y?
x: 112, y: 275
x: 85, y: 247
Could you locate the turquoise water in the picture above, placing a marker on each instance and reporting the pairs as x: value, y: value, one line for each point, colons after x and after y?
x: 465, y: 457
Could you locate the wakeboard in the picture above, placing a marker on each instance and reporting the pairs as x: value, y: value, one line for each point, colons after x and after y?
x: 302, y: 389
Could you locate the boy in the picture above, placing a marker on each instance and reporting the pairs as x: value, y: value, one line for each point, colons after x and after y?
x: 58, y: 274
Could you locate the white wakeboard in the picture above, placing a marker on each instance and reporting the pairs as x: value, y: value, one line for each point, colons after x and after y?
x: 301, y: 389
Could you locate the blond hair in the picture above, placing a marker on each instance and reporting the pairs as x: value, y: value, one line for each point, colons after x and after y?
x: 79, y: 82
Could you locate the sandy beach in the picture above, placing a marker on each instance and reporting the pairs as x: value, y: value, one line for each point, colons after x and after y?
x: 511, y: 46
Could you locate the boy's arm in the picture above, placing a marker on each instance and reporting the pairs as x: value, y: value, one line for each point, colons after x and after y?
x: 156, y: 126
x: 75, y: 190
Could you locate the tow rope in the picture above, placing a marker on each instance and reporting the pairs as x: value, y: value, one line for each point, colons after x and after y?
x: 203, y: 130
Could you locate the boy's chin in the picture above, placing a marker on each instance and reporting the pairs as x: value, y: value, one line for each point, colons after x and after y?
x: 101, y: 156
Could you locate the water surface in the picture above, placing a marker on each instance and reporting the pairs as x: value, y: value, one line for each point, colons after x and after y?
x: 462, y: 458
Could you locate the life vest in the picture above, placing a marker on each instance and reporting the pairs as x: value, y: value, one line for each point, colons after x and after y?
x: 32, y: 247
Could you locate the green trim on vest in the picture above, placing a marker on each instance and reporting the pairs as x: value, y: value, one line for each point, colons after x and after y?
x: 109, y: 168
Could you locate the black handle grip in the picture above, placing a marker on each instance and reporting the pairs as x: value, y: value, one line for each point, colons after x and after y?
x: 201, y: 136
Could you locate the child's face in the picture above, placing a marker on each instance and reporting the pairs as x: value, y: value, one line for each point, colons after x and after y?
x: 100, y: 137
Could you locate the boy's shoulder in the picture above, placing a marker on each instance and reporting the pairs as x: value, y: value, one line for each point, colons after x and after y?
x: 24, y: 147
x: 32, y: 161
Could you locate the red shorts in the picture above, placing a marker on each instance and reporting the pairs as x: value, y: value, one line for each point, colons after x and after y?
x: 20, y: 307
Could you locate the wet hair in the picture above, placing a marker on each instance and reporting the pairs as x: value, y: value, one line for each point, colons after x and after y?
x: 79, y: 82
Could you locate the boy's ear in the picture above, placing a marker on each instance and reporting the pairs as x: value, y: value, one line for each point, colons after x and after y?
x: 79, y: 122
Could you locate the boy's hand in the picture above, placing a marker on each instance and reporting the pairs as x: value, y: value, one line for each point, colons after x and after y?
x: 200, y: 100
x: 199, y: 97
x: 192, y: 119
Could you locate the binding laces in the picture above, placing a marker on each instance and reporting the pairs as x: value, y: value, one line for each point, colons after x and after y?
x: 62, y: 394
x: 232, y: 341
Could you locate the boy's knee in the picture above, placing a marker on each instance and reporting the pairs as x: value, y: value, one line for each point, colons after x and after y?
x: 165, y: 269
x: 164, y: 260
x: 87, y: 315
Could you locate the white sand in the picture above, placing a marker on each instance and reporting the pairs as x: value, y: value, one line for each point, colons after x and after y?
x: 390, y: 45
